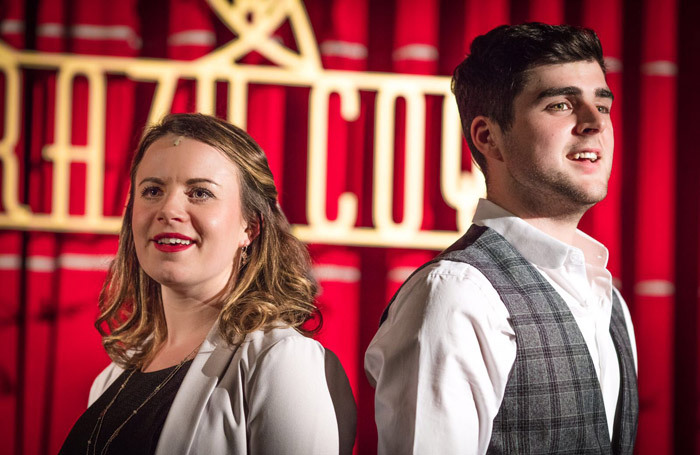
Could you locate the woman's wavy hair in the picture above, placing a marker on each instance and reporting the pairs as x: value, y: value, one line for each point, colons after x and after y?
x: 273, y: 288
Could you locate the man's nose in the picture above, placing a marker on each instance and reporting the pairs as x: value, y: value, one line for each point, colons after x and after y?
x: 591, y: 120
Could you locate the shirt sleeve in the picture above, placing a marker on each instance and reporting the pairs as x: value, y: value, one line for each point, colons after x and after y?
x: 440, y: 363
x: 291, y: 409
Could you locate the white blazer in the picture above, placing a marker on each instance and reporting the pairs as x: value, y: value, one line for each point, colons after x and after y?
x: 277, y: 393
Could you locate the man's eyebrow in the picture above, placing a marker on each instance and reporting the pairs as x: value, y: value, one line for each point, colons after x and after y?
x: 559, y: 91
x: 573, y: 91
x: 604, y: 93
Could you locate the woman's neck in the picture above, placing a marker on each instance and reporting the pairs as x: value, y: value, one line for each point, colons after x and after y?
x: 188, y: 321
x: 185, y: 316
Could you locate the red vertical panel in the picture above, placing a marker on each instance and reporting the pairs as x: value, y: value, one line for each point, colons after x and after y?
x: 78, y: 355
x: 10, y: 250
x: 604, y: 221
x: 11, y: 33
x: 190, y: 36
x: 343, y: 45
x: 415, y: 52
x: 40, y: 303
x: 483, y: 16
x: 81, y: 265
x: 547, y: 11
x: 88, y: 29
x: 337, y: 270
x: 12, y: 23
x: 655, y: 231
x: 697, y: 319
x: 266, y: 123
x: 266, y: 115
x: 51, y: 37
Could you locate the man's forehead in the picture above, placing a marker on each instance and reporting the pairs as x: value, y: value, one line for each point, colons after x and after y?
x: 584, y: 74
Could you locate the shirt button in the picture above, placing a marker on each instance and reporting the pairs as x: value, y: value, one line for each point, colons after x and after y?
x: 576, y: 258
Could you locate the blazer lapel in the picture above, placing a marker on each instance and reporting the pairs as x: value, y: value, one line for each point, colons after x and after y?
x: 185, y: 413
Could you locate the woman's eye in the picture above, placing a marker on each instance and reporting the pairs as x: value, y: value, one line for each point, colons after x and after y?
x: 200, y: 193
x: 150, y: 191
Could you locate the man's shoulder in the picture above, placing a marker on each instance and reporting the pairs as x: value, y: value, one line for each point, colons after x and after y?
x: 443, y: 271
x: 445, y: 283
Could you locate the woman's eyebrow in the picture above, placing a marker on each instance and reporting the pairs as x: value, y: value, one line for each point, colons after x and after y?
x: 191, y: 181
x: 201, y: 180
x: 155, y: 180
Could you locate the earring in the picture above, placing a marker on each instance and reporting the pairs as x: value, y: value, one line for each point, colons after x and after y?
x: 244, y: 255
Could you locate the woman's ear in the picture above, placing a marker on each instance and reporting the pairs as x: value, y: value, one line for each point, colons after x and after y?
x: 253, y: 228
x: 487, y: 137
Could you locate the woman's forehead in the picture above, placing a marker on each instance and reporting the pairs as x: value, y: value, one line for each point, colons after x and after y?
x: 174, y: 155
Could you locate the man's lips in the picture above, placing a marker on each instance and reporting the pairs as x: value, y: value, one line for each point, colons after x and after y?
x: 585, y: 155
x: 171, y: 242
x: 588, y: 161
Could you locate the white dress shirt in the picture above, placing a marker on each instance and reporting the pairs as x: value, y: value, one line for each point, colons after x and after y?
x: 278, y: 392
x: 440, y: 362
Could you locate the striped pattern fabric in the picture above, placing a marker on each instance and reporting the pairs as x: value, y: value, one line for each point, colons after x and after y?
x: 552, y: 402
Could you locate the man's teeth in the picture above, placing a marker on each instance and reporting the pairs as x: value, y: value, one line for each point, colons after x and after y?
x: 585, y: 156
x: 173, y: 241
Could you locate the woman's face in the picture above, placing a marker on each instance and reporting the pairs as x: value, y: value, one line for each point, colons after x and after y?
x: 187, y: 220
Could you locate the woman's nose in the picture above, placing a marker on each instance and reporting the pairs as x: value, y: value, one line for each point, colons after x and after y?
x: 172, y: 209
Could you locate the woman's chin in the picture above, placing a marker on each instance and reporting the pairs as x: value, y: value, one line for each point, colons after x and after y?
x: 173, y: 281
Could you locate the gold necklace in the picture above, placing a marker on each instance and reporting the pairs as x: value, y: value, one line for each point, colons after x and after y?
x: 98, y: 425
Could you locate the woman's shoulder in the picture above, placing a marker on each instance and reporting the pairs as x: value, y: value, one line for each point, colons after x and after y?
x: 103, y: 381
x: 261, y: 344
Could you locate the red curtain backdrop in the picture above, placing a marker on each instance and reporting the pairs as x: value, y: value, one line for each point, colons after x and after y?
x: 49, y: 282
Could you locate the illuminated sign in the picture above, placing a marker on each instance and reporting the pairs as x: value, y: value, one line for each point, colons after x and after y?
x: 253, y: 23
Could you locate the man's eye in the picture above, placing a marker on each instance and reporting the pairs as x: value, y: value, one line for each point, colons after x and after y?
x: 559, y: 107
x: 150, y: 191
x: 604, y: 109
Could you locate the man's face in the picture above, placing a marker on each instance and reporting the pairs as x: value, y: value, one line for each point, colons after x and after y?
x: 558, y: 152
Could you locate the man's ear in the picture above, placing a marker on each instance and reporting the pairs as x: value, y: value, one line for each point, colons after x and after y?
x: 487, y: 137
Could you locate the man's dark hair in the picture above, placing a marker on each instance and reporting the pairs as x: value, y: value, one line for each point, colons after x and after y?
x: 494, y: 72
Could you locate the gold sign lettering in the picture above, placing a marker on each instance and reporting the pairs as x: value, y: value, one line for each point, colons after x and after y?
x: 253, y: 24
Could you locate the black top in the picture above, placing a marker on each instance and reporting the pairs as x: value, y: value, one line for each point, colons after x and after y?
x: 140, y: 435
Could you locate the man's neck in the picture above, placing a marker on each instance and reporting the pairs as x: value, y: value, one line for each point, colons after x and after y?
x: 559, y: 229
x: 561, y: 226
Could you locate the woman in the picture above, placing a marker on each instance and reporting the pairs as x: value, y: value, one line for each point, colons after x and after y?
x: 204, y: 312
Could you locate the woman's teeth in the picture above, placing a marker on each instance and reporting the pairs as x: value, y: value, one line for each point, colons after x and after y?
x: 173, y: 241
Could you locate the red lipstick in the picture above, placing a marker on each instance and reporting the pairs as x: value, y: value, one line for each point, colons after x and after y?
x: 172, y: 242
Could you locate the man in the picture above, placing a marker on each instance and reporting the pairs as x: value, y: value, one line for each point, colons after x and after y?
x: 513, y: 340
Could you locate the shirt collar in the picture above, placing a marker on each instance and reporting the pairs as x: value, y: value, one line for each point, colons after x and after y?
x: 537, y: 247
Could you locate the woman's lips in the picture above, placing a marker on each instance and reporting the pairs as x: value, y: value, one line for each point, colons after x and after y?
x: 171, y: 248
x: 170, y: 242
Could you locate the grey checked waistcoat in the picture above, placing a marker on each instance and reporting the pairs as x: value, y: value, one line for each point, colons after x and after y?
x: 552, y: 402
